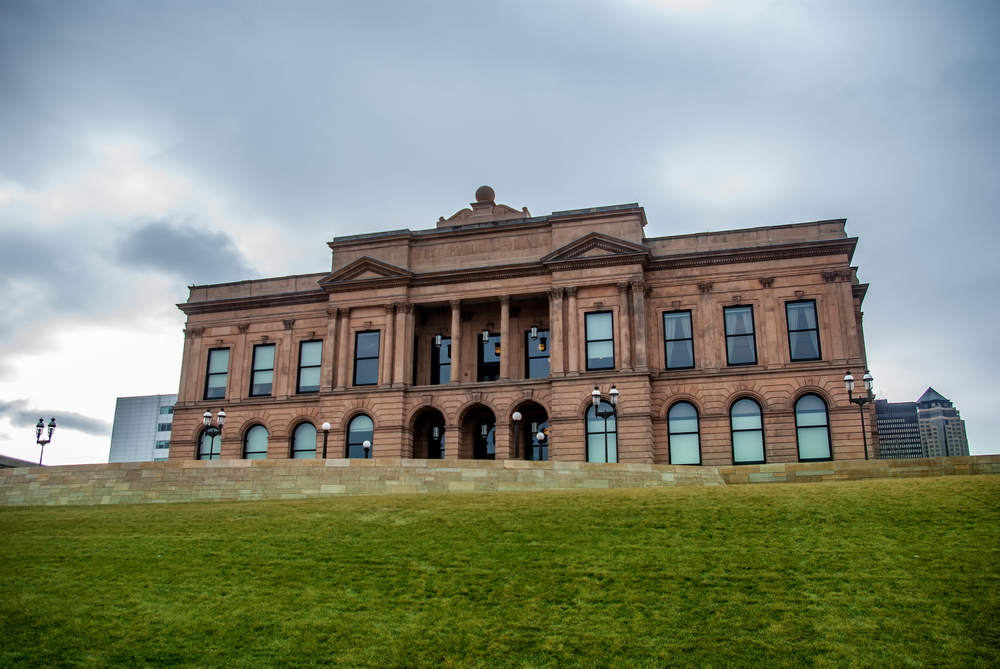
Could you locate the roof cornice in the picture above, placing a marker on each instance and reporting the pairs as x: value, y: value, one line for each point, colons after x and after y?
x: 257, y: 302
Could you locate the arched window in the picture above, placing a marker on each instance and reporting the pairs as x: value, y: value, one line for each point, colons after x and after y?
x: 682, y: 426
x: 255, y: 443
x: 748, y: 433
x: 602, y: 435
x: 304, y: 442
x: 209, y: 448
x: 812, y: 428
x: 359, y: 431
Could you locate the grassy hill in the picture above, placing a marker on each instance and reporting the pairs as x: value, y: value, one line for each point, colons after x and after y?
x: 886, y: 573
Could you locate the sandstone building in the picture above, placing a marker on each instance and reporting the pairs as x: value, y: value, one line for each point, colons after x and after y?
x: 725, y: 347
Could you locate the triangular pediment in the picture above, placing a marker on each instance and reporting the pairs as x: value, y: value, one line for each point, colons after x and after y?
x: 366, y: 268
x: 596, y: 245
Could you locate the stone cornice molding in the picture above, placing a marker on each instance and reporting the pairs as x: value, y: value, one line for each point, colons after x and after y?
x: 253, y: 303
x: 757, y: 254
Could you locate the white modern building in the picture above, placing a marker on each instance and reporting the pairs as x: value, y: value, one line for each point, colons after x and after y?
x: 142, y: 428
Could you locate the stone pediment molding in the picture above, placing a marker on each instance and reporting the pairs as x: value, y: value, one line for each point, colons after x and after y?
x: 597, y: 249
x: 367, y: 273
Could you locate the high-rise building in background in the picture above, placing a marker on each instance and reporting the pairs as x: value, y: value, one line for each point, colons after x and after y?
x: 142, y: 428
x: 928, y: 428
x: 942, y: 430
x: 898, y: 430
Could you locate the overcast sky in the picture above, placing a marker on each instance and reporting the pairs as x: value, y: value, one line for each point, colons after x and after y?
x: 145, y: 146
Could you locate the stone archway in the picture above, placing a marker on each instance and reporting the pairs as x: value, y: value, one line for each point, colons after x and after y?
x: 478, y: 433
x: 429, y: 435
x: 534, y: 420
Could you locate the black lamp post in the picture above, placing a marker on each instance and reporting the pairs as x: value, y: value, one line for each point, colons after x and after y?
x: 861, y: 400
x: 213, y: 431
x: 596, y: 399
x: 517, y: 425
x: 38, y: 435
x: 326, y: 433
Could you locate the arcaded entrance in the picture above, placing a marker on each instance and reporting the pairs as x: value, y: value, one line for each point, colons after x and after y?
x: 429, y: 435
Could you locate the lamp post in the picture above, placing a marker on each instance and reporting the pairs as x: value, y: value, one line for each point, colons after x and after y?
x: 38, y: 435
x: 367, y: 446
x: 861, y: 400
x: 213, y: 431
x: 595, y: 397
x: 326, y: 434
x: 517, y: 424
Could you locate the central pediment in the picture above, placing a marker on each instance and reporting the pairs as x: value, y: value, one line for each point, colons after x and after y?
x: 597, y: 245
x: 366, y: 269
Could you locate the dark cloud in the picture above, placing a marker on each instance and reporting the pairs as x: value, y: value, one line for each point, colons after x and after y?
x: 19, y: 416
x: 181, y: 250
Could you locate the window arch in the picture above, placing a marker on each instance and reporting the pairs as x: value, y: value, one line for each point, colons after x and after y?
x: 304, y: 442
x: 812, y: 428
x: 255, y: 443
x: 682, y: 430
x: 748, y: 432
x: 209, y: 447
x: 602, y: 435
x: 360, y: 430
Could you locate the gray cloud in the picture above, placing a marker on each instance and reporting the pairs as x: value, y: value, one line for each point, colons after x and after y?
x: 179, y: 249
x: 19, y: 416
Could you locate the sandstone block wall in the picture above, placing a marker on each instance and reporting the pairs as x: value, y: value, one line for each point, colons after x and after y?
x: 200, y: 480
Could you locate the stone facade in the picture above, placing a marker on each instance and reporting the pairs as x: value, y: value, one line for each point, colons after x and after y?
x: 219, y: 480
x: 495, y: 269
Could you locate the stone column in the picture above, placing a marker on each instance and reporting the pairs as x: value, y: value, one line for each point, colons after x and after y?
x: 283, y: 372
x: 639, y: 311
x: 186, y: 366
x: 556, y: 339
x: 388, y: 347
x: 238, y: 357
x: 624, y: 330
x: 456, y: 344
x: 505, y: 349
x: 399, y: 358
x: 573, y: 347
x: 343, y: 361
x: 711, y: 350
x: 409, y: 329
x: 327, y: 371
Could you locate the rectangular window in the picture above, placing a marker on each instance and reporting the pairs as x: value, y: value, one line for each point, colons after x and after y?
x: 163, y: 427
x: 489, y: 358
x: 536, y: 360
x: 218, y: 373
x: 162, y: 444
x: 741, y: 349
x: 310, y: 362
x: 679, y: 340
x: 366, y: 358
x: 803, y: 330
x: 441, y: 362
x: 166, y: 410
x: 599, y: 328
x: 262, y: 376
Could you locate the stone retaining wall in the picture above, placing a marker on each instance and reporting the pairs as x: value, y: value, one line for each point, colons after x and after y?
x: 855, y: 470
x: 192, y: 481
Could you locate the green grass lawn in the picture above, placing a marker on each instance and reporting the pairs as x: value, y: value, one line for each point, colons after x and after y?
x: 888, y: 573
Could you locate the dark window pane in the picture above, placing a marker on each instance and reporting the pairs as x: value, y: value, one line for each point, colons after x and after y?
x: 677, y: 325
x: 538, y: 368
x: 805, y: 345
x: 739, y: 320
x: 366, y: 373
x: 367, y: 345
x: 741, y: 350
x: 680, y: 354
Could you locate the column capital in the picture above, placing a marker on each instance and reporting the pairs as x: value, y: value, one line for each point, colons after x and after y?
x: 389, y: 308
x: 456, y: 304
x: 622, y: 287
x: 505, y: 300
x: 556, y: 293
x: 288, y: 323
x: 638, y: 285
x: 331, y: 312
x: 571, y: 291
x: 402, y: 307
x: 243, y: 327
x: 344, y: 311
x: 705, y: 286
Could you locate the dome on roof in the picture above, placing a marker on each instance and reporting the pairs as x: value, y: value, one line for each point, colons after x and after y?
x: 485, y: 194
